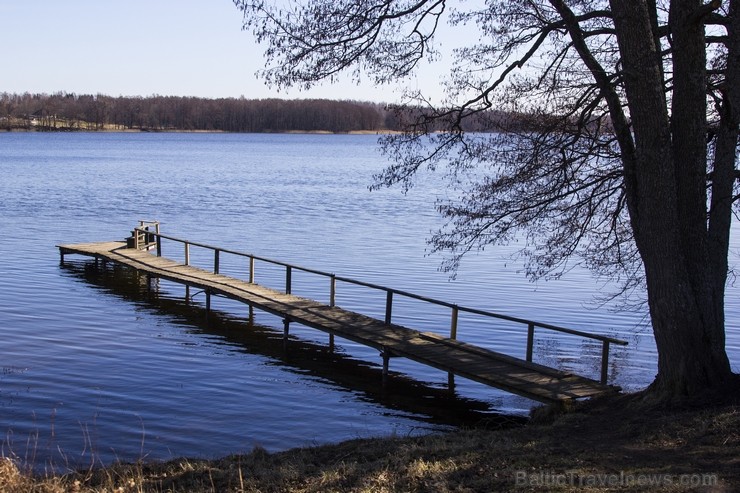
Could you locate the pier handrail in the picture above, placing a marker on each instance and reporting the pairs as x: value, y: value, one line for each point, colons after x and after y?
x: 390, y: 293
x: 141, y: 235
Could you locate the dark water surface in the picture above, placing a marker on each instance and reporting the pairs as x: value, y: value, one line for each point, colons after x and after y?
x: 96, y: 367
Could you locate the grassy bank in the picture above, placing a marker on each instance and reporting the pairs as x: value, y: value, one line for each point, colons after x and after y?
x: 607, y: 446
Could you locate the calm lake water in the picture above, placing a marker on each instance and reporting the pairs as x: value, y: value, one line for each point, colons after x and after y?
x: 98, y: 368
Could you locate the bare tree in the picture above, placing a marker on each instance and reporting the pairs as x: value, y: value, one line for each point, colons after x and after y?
x: 614, y: 143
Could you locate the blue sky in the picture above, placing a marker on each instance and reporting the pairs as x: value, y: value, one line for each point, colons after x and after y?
x: 141, y: 47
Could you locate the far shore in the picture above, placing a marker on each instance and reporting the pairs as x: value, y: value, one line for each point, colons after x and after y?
x: 146, y: 130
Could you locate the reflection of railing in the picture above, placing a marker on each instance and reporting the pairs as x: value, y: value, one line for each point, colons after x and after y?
x: 143, y: 237
x: 144, y: 228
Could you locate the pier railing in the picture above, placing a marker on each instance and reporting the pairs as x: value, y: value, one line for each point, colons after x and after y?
x: 151, y: 230
x: 143, y: 237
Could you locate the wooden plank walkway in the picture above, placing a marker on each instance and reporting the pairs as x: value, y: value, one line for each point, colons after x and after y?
x: 482, y: 365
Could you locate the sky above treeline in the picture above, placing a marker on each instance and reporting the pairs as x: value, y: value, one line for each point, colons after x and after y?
x: 145, y: 47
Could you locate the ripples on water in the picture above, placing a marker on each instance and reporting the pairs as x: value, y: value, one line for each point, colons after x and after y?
x: 97, y: 367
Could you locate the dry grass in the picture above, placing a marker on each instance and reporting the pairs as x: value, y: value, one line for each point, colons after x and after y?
x: 576, y: 452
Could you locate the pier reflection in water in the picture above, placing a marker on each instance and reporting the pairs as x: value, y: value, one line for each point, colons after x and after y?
x: 361, y: 378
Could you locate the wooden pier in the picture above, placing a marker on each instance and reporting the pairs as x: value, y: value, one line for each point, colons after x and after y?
x: 143, y: 252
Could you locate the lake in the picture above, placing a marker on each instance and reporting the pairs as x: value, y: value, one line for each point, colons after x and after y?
x: 96, y: 367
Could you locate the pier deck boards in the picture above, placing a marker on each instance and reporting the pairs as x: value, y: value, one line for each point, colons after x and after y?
x: 491, y: 368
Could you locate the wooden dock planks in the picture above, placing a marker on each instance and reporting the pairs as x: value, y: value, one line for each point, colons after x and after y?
x: 491, y: 368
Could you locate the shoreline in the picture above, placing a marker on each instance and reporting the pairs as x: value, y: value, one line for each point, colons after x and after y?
x: 176, y: 131
x: 607, y: 445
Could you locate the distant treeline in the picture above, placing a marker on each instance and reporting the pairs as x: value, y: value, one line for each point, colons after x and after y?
x: 69, y: 111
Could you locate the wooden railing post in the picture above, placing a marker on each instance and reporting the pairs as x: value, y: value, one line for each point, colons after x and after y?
x: 251, y: 269
x: 288, y: 279
x: 453, y: 322
x: 530, y: 341
x: 216, y: 260
x: 332, y: 303
x: 388, y: 306
x: 332, y: 290
x: 187, y: 253
x: 604, y: 361
x: 453, y: 336
x: 159, y: 243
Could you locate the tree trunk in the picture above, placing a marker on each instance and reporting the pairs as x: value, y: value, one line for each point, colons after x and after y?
x: 669, y: 217
x: 723, y: 174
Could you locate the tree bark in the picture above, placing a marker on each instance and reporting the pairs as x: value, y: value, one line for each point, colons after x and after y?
x: 723, y: 174
x: 669, y: 219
